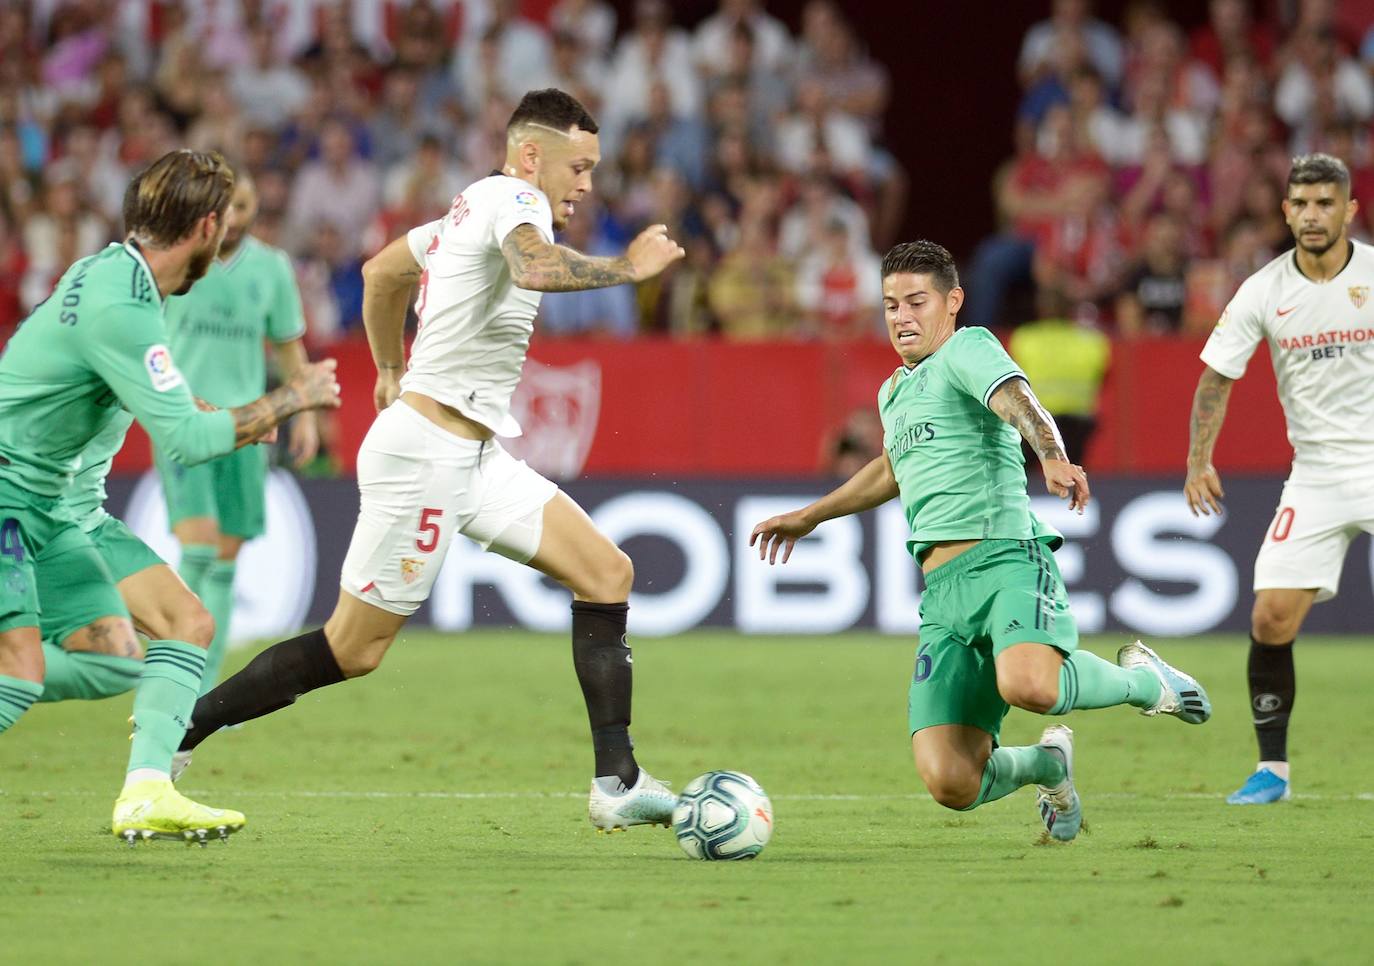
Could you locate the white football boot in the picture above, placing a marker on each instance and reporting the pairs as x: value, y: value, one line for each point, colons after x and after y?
x: 647, y: 802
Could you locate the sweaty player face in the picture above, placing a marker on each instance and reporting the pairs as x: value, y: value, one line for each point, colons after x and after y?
x: 919, y: 318
x: 1318, y: 215
x: 565, y: 171
x: 243, y: 208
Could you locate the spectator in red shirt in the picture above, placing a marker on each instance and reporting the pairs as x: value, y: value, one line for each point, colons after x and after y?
x: 839, y: 286
x: 1028, y: 198
x: 1081, y: 254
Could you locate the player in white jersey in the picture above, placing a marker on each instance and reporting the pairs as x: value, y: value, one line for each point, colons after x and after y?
x: 430, y: 466
x: 1313, y: 307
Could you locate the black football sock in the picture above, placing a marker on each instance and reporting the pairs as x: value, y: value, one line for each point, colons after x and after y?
x: 271, y: 681
x: 1272, y: 686
x: 605, y: 670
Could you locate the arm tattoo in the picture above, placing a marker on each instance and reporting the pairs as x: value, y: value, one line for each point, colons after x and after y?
x: 1209, y: 409
x: 1014, y: 403
x: 257, y: 417
x: 540, y: 267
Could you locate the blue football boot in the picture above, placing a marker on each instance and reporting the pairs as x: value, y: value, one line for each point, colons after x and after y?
x: 1261, y: 788
x: 1179, y: 694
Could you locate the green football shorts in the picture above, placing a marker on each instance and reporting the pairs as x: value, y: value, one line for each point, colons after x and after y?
x: 228, y: 490
x: 66, y: 592
x: 999, y: 593
x: 40, y: 542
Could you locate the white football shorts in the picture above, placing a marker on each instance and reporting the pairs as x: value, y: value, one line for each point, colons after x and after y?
x: 1306, y: 543
x: 419, y: 485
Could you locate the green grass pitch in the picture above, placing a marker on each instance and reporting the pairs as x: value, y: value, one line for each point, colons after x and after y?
x: 436, y: 813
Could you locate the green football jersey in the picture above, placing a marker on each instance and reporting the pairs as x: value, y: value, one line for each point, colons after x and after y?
x: 86, y: 495
x: 958, y: 466
x: 217, y: 328
x: 96, y: 346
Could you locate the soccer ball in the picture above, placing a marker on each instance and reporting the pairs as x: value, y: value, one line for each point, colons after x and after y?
x: 723, y: 815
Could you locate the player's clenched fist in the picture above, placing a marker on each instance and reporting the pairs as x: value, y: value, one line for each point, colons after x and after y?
x: 318, y: 384
x: 652, y: 251
x: 780, y: 533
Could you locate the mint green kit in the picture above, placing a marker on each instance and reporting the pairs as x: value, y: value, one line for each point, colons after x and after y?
x: 961, y: 476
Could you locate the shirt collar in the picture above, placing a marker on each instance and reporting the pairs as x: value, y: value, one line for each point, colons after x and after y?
x: 235, y: 258
x: 132, y: 248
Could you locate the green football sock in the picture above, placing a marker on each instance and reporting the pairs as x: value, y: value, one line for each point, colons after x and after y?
x: 16, y: 697
x: 217, y: 594
x: 196, y: 559
x: 1010, y: 768
x: 83, y: 676
x: 163, y: 702
x: 1088, y: 681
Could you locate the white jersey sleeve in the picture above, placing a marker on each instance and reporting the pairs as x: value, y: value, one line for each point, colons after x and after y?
x: 420, y: 238
x: 1239, y: 331
x: 519, y: 205
x: 474, y: 322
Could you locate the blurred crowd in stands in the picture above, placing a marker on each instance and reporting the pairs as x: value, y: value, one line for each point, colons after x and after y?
x: 1145, y: 184
x: 761, y: 149
x: 1151, y: 161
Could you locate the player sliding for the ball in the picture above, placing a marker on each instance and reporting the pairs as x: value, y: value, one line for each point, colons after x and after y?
x: 429, y: 467
x: 995, y: 623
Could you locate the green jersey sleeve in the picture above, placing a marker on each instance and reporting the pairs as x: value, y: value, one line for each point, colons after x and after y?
x: 285, y: 318
x: 129, y: 353
x: 978, y: 364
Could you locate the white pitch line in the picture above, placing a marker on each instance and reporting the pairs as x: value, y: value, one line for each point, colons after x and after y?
x: 533, y: 796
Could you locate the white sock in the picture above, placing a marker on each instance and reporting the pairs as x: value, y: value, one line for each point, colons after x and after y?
x: 611, y: 784
x: 145, y: 775
x: 1279, y: 768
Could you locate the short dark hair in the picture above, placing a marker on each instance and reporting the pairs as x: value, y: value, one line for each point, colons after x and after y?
x: 165, y: 200
x: 1319, y: 169
x: 923, y: 258
x: 552, y: 108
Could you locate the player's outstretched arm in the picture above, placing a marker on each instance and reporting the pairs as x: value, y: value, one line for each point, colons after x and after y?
x: 1202, y: 488
x: 388, y: 278
x: 538, y: 266
x: 313, y: 386
x: 127, y: 353
x: 872, y: 486
x: 1015, y: 403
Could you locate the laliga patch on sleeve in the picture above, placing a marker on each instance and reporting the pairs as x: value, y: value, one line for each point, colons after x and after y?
x: 527, y: 199
x: 161, y: 371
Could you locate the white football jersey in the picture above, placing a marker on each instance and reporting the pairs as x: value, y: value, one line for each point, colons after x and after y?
x: 475, y: 325
x: 1321, y: 340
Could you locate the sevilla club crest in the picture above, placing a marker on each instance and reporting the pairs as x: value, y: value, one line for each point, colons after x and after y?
x: 1358, y: 295
x: 558, y: 408
x: 411, y: 569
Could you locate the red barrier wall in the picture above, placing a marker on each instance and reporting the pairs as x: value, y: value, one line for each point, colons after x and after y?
x: 721, y: 409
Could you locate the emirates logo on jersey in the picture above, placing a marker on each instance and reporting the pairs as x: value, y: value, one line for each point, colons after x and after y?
x: 1358, y: 295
